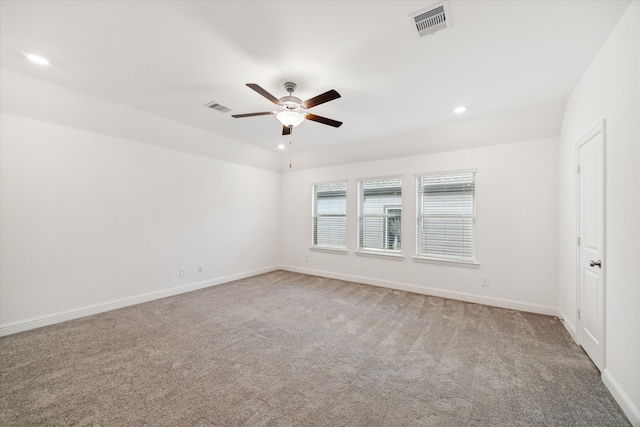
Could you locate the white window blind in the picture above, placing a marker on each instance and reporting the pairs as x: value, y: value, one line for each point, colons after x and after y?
x: 446, y: 216
x: 330, y: 215
x: 379, y: 214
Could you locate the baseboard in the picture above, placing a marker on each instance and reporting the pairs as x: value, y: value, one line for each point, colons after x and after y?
x: 425, y: 290
x: 75, y: 313
x: 62, y: 316
x: 570, y: 327
x: 627, y: 406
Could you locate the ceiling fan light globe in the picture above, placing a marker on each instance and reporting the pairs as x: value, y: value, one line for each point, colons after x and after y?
x: 290, y: 118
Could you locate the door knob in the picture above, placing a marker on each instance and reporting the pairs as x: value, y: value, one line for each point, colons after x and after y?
x: 593, y: 263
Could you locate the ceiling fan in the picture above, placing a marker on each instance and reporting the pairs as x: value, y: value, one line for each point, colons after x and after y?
x: 293, y: 111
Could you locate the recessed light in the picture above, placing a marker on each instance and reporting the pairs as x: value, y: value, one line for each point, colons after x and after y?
x: 37, y: 59
x: 281, y: 146
x: 460, y: 110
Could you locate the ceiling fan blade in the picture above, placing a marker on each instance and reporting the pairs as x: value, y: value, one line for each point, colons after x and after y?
x: 323, y: 120
x: 264, y: 113
x: 264, y: 93
x: 286, y: 130
x: 321, y: 99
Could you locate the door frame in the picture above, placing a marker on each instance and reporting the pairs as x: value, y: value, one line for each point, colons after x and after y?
x: 599, y: 128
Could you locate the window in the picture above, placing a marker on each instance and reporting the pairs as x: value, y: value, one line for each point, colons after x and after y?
x: 446, y: 216
x: 379, y: 214
x: 330, y: 215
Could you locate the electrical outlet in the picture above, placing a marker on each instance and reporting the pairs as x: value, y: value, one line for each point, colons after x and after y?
x: 183, y: 271
x: 485, y: 281
x: 199, y: 269
x: 306, y: 258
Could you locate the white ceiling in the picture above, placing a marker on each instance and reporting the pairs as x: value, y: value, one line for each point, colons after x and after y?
x: 169, y: 58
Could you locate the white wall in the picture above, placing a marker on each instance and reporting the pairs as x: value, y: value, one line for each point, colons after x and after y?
x: 92, y: 222
x: 78, y: 110
x: 609, y: 90
x: 536, y: 122
x: 516, y: 219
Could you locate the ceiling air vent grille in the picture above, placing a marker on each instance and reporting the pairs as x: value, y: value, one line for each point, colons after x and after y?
x: 432, y: 19
x: 215, y: 106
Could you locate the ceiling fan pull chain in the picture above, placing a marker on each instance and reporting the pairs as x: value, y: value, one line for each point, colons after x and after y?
x: 290, y: 154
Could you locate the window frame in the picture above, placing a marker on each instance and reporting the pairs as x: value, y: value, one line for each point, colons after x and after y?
x: 314, y: 216
x: 360, y: 216
x: 433, y: 258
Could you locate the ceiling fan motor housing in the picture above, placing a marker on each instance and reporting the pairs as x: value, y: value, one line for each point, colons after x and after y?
x: 291, y: 103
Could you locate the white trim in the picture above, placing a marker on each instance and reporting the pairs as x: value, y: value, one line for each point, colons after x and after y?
x: 338, y: 181
x: 76, y: 313
x: 568, y: 325
x: 381, y: 254
x: 378, y: 178
x: 328, y: 249
x: 627, y: 406
x: 451, y: 172
x: 450, y: 263
x: 426, y: 290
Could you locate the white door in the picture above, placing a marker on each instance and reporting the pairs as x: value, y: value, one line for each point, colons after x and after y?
x: 591, y: 244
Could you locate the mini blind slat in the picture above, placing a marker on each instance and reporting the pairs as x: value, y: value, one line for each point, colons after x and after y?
x: 446, y: 216
x: 329, y: 215
x: 379, y: 214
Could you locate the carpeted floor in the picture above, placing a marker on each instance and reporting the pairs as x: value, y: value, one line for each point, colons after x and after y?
x: 286, y: 349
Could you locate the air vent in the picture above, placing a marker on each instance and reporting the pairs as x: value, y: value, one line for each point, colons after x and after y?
x: 215, y: 106
x: 432, y: 19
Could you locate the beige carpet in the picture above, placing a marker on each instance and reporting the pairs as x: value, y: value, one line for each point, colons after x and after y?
x: 286, y: 349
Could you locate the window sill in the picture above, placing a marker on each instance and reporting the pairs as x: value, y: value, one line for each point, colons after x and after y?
x: 375, y: 254
x: 328, y: 249
x: 464, y: 264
